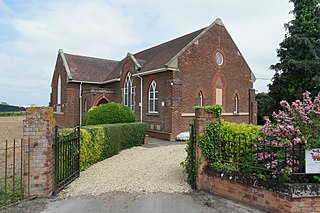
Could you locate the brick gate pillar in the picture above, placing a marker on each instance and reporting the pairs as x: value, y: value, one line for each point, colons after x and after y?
x: 39, y: 158
x: 202, y: 119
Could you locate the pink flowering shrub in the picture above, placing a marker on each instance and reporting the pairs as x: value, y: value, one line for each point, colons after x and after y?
x: 295, y: 128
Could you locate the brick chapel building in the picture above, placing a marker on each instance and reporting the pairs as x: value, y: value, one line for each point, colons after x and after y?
x: 160, y: 84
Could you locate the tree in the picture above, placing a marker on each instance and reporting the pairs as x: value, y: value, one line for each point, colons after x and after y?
x: 299, y: 54
x: 264, y: 103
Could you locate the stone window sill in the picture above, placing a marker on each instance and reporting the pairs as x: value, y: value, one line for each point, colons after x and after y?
x: 153, y: 114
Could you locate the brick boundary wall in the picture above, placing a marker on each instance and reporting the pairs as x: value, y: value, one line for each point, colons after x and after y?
x: 294, y: 197
x: 37, y: 127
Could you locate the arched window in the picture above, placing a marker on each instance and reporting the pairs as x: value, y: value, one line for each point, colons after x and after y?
x: 58, y: 107
x: 235, y: 104
x: 128, y: 92
x: 200, y: 98
x: 153, y: 97
x: 219, y: 93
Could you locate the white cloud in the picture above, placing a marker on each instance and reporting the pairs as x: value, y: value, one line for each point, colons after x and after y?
x: 110, y: 29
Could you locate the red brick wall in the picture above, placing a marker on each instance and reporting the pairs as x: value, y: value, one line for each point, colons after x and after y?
x: 258, y: 197
x: 39, y: 158
x: 224, y: 185
x: 198, y: 71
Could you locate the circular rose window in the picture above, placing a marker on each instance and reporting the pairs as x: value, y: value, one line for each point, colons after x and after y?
x: 219, y: 58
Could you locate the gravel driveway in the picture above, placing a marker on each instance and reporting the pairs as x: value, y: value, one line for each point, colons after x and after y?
x: 140, y: 179
x: 147, y: 169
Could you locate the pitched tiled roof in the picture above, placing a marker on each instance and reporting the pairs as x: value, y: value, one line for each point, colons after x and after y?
x: 158, y: 56
x: 90, y: 69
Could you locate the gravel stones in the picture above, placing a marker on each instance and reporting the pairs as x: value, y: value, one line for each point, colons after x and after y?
x: 135, y: 170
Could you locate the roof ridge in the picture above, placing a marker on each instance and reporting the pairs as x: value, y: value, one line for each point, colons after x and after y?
x: 84, y: 56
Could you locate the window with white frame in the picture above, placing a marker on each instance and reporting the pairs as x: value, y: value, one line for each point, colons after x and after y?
x: 235, y: 104
x: 58, y: 107
x: 128, y: 92
x: 200, y: 99
x: 153, y: 97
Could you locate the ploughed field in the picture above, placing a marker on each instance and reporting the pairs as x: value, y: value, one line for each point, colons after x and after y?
x: 11, y: 128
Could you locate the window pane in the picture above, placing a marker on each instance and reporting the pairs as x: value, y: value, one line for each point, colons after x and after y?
x: 235, y: 104
x: 151, y: 106
x: 151, y: 95
x: 219, y: 96
x: 199, y: 99
x: 156, y: 94
x: 156, y: 105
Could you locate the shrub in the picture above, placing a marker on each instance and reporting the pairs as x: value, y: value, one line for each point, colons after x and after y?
x: 248, y: 131
x: 298, y: 125
x: 99, y: 142
x: 109, y: 113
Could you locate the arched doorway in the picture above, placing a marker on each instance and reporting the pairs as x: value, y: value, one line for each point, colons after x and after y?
x: 102, y: 101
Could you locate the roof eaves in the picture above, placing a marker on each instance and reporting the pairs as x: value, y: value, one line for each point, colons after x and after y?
x: 150, y: 72
x: 65, y: 64
x: 217, y: 21
x: 93, y: 82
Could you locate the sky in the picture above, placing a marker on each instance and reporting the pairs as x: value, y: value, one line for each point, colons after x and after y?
x: 32, y: 31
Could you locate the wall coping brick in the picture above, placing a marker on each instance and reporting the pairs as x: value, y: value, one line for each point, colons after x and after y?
x: 293, y: 190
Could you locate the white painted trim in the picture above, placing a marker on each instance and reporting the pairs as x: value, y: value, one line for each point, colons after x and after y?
x: 92, y: 82
x: 141, y: 99
x: 187, y: 114
x: 65, y: 64
x: 111, y: 81
x: 134, y: 60
x: 58, y: 113
x: 234, y: 114
x: 80, y: 100
x: 151, y: 72
x: 191, y: 114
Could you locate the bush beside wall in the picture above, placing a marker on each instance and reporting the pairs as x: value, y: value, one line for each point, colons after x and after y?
x: 109, y: 113
x: 99, y: 142
x: 249, y: 131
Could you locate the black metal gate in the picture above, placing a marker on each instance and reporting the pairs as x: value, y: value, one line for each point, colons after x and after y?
x: 67, y: 158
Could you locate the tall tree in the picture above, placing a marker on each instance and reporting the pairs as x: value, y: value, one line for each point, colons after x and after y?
x: 264, y: 103
x: 298, y: 69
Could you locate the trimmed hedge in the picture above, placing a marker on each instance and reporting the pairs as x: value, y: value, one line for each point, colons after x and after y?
x: 109, y: 113
x: 231, y: 130
x: 99, y: 142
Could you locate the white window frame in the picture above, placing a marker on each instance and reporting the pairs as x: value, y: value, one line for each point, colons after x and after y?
x: 235, y: 104
x: 128, y: 92
x: 200, y: 99
x: 154, y: 100
x: 58, y: 106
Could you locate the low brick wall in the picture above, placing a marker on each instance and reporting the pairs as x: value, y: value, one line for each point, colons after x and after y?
x: 280, y: 198
x: 268, y: 195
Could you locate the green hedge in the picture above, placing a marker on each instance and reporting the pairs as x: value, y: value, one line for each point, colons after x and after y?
x: 231, y: 130
x: 99, y: 142
x: 109, y: 113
